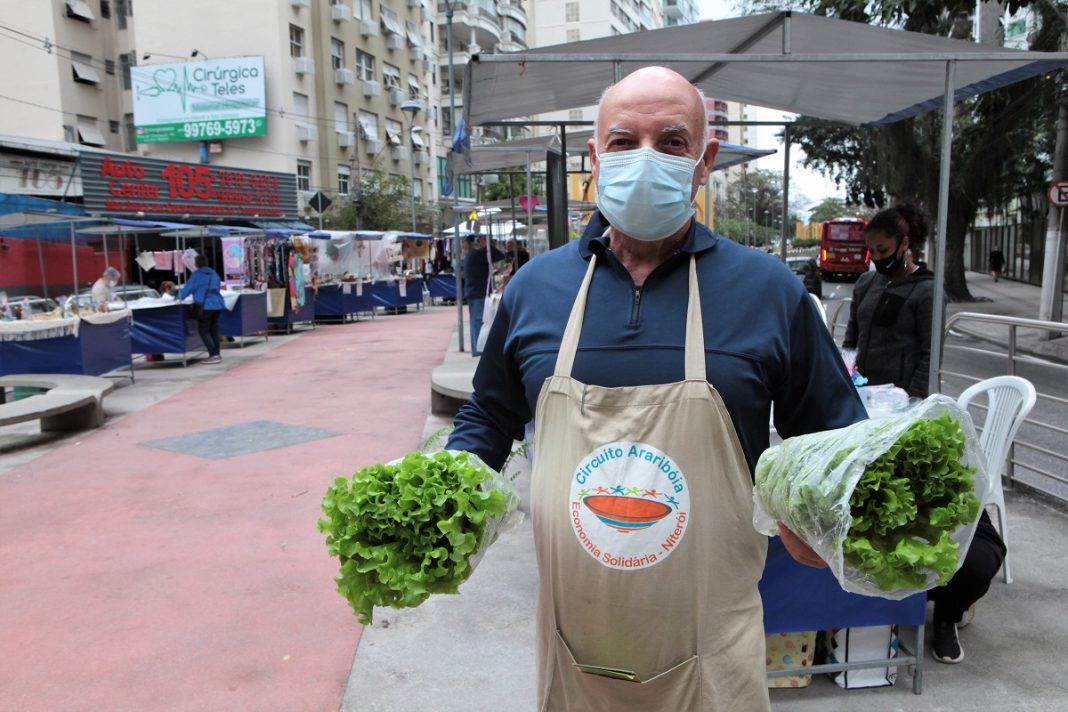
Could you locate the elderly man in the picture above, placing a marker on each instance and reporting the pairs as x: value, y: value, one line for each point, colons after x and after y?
x: 103, y: 288
x: 649, y: 354
x: 477, y: 272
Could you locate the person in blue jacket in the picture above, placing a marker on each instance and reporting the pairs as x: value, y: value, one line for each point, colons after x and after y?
x: 204, y: 285
x: 598, y: 342
x: 478, y: 263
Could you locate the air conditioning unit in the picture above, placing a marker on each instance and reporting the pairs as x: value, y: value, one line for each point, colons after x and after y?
x: 399, y: 153
x: 372, y: 88
x: 396, y: 96
x: 374, y: 146
x: 345, y: 139
x: 419, y: 157
x: 304, y: 65
x: 416, y: 54
x: 341, y: 13
x: 307, y: 133
x: 368, y: 28
x: 344, y: 76
x: 303, y: 198
x: 394, y: 42
x: 301, y: 3
x: 415, y: 3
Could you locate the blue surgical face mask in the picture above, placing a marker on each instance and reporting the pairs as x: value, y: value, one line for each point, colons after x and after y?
x: 645, y: 194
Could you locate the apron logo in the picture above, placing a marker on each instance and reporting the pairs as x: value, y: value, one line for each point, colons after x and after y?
x: 628, y: 506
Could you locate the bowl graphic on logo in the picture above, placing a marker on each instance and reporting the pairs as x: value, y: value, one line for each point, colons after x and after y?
x: 626, y: 514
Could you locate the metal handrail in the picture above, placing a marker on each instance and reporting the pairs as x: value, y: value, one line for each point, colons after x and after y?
x: 1013, y: 324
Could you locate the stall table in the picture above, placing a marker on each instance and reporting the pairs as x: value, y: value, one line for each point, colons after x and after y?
x: 247, y: 316
x: 93, y: 345
x: 398, y: 294
x: 338, y: 302
x: 283, y: 316
x: 441, y: 286
x: 164, y: 329
x: 800, y: 598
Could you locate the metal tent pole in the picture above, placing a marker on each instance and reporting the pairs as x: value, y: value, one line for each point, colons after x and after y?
x: 938, y: 302
x: 785, y: 191
x: 41, y: 264
x: 74, y: 259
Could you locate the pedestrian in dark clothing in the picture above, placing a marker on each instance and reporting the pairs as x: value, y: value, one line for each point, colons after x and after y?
x: 997, y: 263
x: 204, y: 285
x: 477, y: 271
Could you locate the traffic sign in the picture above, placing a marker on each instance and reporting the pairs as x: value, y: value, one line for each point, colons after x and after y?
x: 1057, y: 193
x: 319, y: 202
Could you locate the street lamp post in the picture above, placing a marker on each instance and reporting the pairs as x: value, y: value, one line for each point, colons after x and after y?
x: 412, y: 108
x: 449, y: 6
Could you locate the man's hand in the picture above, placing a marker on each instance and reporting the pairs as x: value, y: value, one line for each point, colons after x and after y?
x: 802, y: 552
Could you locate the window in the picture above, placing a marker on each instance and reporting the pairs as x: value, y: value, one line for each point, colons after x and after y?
x: 574, y: 115
x: 113, y: 127
x: 79, y: 10
x: 390, y: 75
x: 365, y: 66
x: 390, y: 20
x: 363, y: 9
x: 414, y: 40
x: 571, y: 12
x: 296, y: 41
x: 574, y: 35
x: 394, y: 132
x: 304, y: 175
x: 343, y: 175
x: 123, y: 9
x: 341, y: 117
x: 337, y: 53
x: 368, y: 123
x: 414, y: 91
x: 300, y: 107
x: 126, y: 60
x: 109, y: 66
x: 82, y: 69
x: 105, y: 9
x: 88, y: 133
x: 446, y: 121
x: 417, y: 189
x: 130, y: 132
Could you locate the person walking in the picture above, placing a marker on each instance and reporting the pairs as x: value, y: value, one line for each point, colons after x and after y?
x: 204, y: 285
x: 478, y: 264
x: 651, y: 390
x: 997, y: 263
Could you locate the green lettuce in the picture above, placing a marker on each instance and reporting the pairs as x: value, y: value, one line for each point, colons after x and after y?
x: 408, y: 530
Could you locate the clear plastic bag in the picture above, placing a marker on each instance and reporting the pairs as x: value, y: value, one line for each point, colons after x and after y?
x: 808, y: 483
x: 413, y: 527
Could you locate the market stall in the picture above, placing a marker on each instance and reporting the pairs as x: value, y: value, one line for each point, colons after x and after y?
x: 441, y: 286
x: 399, y: 293
x: 284, y: 310
x: 164, y: 329
x: 90, y: 345
x: 248, y: 317
x: 341, y: 300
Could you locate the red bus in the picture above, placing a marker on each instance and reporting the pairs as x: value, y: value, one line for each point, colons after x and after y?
x: 843, y: 252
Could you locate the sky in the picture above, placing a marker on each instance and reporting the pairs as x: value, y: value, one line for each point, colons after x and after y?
x: 813, y: 186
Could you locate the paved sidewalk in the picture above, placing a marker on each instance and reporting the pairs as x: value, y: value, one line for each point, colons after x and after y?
x: 139, y: 578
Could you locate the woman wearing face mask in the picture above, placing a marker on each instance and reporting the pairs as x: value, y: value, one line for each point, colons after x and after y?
x: 890, y: 317
x: 103, y: 288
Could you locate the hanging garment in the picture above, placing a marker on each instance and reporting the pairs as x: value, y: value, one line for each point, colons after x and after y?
x: 146, y: 261
x: 164, y: 260
x: 647, y: 556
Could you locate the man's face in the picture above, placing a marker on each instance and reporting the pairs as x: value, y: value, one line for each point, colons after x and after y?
x: 658, y: 109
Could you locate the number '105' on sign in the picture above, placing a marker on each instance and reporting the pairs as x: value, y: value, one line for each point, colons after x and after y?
x: 186, y: 181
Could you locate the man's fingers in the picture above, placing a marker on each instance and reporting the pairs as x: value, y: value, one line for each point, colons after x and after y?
x: 797, y: 548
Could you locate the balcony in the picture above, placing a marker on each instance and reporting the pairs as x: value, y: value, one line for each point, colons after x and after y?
x: 507, y: 8
x: 473, y: 18
x: 672, y: 9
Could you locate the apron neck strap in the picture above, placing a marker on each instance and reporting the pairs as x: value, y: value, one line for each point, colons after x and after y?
x: 695, y: 335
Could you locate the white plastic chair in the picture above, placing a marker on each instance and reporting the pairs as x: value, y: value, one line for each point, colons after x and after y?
x: 1009, y: 400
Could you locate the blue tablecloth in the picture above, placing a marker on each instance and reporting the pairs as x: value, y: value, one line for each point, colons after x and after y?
x: 441, y: 286
x: 338, y: 301
x: 801, y: 598
x: 249, y: 315
x: 304, y: 315
x: 164, y: 329
x: 96, y: 350
x: 387, y: 294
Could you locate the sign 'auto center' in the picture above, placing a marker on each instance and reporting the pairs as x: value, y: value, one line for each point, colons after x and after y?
x: 122, y: 185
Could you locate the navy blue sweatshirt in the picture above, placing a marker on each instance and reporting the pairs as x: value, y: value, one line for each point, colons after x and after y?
x: 764, y: 341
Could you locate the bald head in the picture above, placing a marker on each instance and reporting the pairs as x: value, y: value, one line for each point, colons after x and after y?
x: 654, y: 91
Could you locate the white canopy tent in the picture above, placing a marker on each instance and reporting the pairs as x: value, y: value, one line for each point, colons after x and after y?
x: 806, y: 64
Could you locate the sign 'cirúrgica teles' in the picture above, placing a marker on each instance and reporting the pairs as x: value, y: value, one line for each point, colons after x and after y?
x: 196, y: 101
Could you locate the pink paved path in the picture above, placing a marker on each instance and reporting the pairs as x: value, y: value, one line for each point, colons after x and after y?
x: 133, y: 578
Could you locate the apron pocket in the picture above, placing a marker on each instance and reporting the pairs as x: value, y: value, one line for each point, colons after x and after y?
x: 676, y: 689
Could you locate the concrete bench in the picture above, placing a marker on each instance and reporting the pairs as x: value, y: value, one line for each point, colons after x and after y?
x: 71, y: 403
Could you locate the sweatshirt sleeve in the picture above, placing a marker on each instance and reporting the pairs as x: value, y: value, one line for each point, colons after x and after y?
x: 919, y: 383
x: 189, y: 287
x: 817, y: 393
x: 497, y: 412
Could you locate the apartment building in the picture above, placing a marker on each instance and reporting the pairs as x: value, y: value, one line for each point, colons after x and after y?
x: 349, y: 84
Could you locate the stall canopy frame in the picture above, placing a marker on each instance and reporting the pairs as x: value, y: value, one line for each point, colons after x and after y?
x: 805, y: 64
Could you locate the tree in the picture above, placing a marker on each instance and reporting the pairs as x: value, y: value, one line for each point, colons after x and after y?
x: 830, y: 209
x: 756, y: 195
x: 509, y: 186
x: 383, y: 202
x: 1002, y: 140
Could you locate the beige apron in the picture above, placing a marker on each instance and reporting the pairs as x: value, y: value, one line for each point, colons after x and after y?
x: 649, y: 563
